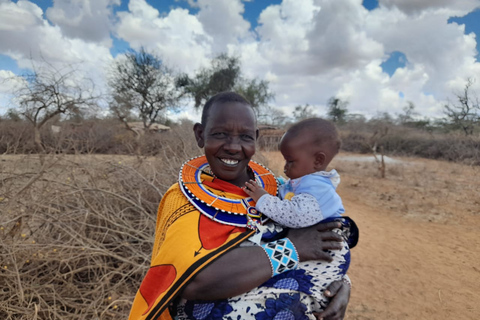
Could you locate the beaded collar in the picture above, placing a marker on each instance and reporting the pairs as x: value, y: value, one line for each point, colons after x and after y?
x: 195, y: 175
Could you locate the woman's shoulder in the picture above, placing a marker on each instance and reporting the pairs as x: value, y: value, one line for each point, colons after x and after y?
x: 173, y: 194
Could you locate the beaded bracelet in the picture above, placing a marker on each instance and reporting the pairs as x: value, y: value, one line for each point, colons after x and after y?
x: 282, y: 254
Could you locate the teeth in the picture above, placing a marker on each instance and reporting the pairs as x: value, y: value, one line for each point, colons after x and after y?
x: 229, y: 161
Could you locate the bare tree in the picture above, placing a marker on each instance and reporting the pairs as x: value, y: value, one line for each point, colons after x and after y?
x: 374, y: 144
x: 46, y: 93
x: 142, y: 86
x: 465, y: 113
x: 269, y: 115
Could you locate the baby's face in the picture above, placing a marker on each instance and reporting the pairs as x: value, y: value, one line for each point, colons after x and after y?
x: 299, y: 158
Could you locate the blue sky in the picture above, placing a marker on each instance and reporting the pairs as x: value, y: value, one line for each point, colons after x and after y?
x: 378, y: 55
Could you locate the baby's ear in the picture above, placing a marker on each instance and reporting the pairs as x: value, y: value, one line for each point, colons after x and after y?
x: 320, y: 160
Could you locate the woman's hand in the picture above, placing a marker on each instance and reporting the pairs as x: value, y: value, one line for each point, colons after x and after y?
x: 312, y: 242
x: 339, y: 291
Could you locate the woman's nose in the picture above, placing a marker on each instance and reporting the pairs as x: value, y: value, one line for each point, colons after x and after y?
x: 233, y: 144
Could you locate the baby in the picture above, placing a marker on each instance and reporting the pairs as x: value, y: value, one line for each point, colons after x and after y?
x: 309, y: 196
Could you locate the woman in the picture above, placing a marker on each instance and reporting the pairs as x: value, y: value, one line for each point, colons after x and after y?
x: 200, y: 250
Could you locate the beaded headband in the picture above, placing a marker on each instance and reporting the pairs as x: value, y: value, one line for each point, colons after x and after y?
x: 236, y: 212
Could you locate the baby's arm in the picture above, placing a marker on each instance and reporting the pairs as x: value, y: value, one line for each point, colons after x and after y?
x: 299, y: 212
x: 254, y: 190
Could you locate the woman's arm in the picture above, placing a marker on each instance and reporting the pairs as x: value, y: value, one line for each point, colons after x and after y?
x: 236, y: 272
x: 245, y: 268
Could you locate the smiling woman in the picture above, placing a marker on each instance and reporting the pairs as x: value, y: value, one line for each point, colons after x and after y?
x: 228, y: 141
x: 208, y: 261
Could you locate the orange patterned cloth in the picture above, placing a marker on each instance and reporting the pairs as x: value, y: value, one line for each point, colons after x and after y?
x: 186, y: 241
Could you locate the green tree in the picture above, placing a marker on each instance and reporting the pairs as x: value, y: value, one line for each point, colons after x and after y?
x: 337, y: 110
x: 303, y: 112
x: 224, y: 74
x: 408, y: 114
x: 142, y: 86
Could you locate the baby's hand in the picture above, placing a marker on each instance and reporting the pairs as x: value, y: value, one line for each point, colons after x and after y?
x: 254, y: 190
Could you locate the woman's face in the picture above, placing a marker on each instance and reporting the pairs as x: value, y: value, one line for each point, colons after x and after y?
x: 228, y: 139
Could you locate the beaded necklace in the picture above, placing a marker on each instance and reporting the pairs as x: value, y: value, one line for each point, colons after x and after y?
x: 196, y: 181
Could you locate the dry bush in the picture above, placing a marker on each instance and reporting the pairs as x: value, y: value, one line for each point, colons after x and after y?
x: 76, y: 231
x: 409, y: 142
x: 108, y: 136
x: 15, y: 137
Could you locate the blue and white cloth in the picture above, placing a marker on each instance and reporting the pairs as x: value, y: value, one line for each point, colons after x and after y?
x: 292, y: 295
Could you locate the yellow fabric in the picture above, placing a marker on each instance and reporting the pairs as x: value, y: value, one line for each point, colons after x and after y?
x: 179, y: 252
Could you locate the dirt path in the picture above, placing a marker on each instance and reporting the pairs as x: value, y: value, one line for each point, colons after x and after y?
x: 408, y: 269
x: 419, y: 251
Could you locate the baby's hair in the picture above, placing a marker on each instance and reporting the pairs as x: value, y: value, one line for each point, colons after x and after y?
x: 222, y: 97
x: 324, y: 133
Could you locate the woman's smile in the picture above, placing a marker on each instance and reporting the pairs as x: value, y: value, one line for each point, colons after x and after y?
x: 229, y: 162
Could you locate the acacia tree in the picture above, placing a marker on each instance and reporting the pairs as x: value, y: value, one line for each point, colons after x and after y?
x: 46, y: 93
x: 224, y: 74
x: 303, y: 112
x: 465, y: 114
x: 142, y: 86
x: 337, y: 110
x: 408, y: 114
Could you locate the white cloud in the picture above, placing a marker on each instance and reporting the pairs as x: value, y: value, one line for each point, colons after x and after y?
x: 36, y: 43
x: 19, y: 16
x: 83, y: 19
x: 223, y: 20
x: 35, y: 39
x: 309, y: 47
x: 179, y: 38
x: 9, y: 82
x: 455, y: 7
x: 440, y: 50
x: 336, y: 48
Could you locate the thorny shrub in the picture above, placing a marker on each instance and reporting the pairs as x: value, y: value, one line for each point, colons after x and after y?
x: 76, y: 231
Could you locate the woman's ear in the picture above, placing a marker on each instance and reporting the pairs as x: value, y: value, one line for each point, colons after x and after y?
x: 199, y: 131
x: 320, y: 161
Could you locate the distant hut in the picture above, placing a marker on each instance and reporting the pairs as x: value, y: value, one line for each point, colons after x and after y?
x: 269, y: 137
x: 139, y: 128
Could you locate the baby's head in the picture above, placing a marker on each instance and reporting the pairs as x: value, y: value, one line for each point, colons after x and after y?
x: 309, y: 146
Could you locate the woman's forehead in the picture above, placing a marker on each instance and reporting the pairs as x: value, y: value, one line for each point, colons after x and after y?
x: 233, y: 112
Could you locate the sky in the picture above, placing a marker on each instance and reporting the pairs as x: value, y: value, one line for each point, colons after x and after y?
x: 377, y: 55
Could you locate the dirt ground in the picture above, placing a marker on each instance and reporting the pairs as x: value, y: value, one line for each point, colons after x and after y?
x: 419, y: 250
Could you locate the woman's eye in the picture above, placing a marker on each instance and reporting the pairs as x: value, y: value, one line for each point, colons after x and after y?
x: 219, y: 134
